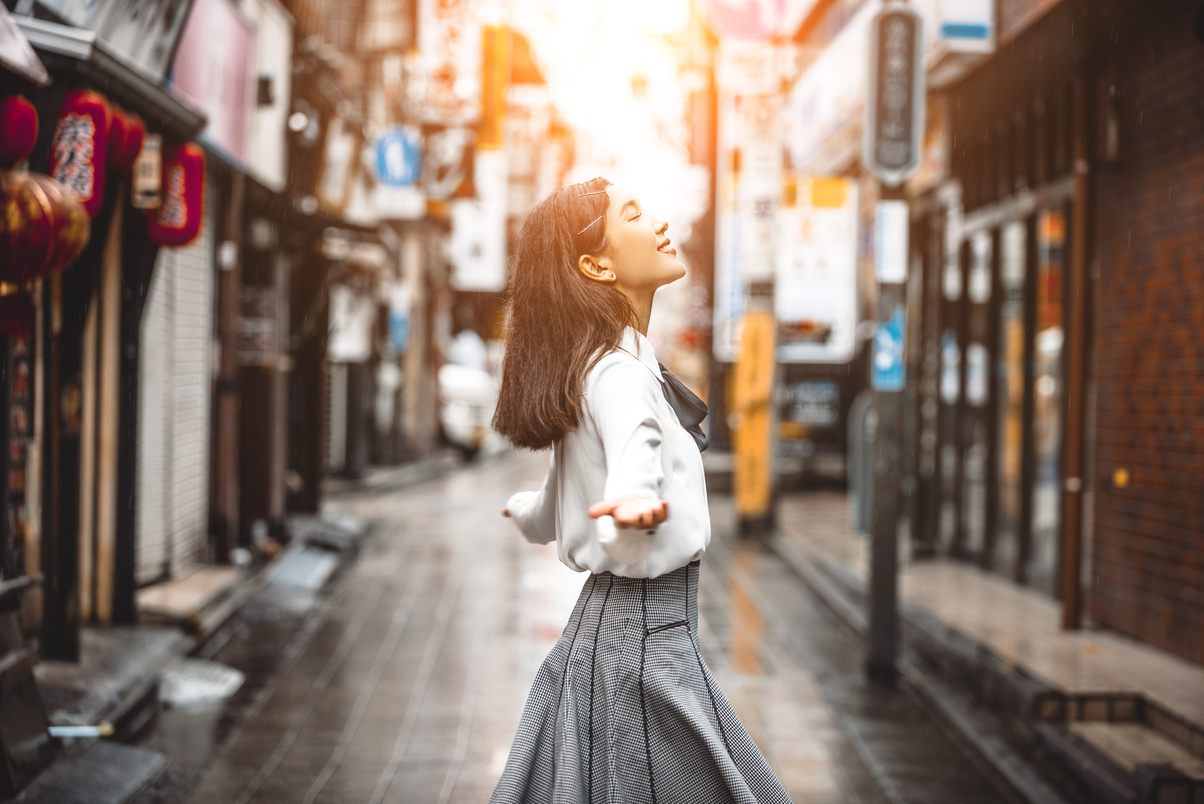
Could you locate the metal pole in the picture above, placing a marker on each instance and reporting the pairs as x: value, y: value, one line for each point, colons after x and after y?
x: 887, y: 424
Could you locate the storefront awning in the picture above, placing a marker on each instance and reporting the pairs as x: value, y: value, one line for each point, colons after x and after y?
x: 65, y: 49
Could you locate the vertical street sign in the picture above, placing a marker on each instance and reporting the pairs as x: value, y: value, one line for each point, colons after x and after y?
x: 753, y: 385
x: 893, y: 140
x: 894, y: 110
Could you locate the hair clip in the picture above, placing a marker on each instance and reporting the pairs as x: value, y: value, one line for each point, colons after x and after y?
x: 591, y: 223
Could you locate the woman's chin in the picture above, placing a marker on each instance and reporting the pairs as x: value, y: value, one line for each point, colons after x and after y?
x: 678, y: 271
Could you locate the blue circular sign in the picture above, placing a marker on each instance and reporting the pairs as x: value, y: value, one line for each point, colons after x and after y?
x: 398, y: 158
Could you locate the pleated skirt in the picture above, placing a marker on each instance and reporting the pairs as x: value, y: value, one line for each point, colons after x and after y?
x: 625, y: 711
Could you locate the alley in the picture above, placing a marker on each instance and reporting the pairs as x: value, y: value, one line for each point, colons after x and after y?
x: 411, y: 687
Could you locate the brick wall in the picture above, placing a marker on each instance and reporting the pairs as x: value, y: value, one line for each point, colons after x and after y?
x: 1148, y: 340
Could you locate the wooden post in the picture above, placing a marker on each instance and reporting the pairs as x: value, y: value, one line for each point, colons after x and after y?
x: 224, y: 507
x: 138, y: 264
x: 68, y: 302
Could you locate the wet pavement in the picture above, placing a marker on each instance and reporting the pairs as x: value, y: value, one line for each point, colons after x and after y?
x: 405, y: 683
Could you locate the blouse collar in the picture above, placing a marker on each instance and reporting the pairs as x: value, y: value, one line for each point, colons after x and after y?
x: 639, y: 347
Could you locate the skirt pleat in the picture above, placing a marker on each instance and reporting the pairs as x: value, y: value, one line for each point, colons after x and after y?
x: 624, y: 710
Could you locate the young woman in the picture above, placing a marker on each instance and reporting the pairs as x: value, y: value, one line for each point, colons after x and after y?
x: 624, y: 709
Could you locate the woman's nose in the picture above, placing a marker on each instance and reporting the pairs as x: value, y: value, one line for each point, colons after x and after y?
x: 660, y: 227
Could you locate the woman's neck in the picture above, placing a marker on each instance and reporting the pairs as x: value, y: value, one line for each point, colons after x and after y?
x: 642, y: 305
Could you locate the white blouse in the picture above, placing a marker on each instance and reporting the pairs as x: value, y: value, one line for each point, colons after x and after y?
x: 628, y: 443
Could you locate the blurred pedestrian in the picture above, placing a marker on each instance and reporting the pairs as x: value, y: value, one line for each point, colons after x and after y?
x: 624, y: 707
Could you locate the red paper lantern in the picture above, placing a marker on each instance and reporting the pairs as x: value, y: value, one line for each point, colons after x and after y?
x: 125, y: 140
x: 43, y: 228
x: 18, y: 129
x: 81, y: 141
x: 177, y: 221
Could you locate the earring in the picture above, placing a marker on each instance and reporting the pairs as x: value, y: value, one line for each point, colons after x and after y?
x: 610, y: 275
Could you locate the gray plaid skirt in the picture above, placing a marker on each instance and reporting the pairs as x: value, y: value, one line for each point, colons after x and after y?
x: 625, y: 711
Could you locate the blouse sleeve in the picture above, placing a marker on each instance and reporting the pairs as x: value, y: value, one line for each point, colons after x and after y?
x: 535, y: 511
x: 624, y: 399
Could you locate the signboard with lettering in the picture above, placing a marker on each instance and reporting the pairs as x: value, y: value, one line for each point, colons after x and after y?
x: 815, y: 296
x: 895, y: 105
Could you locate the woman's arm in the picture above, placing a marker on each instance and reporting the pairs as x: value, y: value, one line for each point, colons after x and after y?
x: 535, y: 511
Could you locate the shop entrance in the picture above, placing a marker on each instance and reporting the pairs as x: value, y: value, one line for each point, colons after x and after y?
x: 1012, y: 409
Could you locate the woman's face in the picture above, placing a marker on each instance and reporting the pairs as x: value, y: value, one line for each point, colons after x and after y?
x: 640, y: 253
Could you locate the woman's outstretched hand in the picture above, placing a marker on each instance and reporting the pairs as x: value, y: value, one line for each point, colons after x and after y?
x: 632, y: 512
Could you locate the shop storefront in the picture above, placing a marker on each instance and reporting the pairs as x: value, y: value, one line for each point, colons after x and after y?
x: 997, y: 351
x: 99, y: 116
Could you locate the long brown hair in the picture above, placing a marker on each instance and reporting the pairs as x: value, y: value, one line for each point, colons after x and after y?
x: 561, y: 323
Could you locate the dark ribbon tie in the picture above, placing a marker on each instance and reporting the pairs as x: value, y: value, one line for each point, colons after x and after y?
x: 689, y: 408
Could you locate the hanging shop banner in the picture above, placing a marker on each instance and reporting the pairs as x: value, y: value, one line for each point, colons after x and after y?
x: 895, y: 101
x: 759, y: 189
x: 450, y: 50
x: 177, y: 221
x: 145, y: 32
x: 495, y: 76
x: 214, y: 69
x: 478, y: 236
x: 815, y: 295
x: 267, y: 149
x: 749, y: 193
x: 81, y: 141
x: 729, y: 276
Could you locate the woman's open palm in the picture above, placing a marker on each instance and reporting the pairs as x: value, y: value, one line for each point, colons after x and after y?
x: 632, y: 512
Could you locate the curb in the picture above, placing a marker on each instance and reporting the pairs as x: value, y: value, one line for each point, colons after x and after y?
x: 988, y: 743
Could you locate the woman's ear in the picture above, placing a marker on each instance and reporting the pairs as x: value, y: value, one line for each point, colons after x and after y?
x: 596, y: 268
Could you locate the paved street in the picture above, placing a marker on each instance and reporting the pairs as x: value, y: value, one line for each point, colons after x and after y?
x: 411, y: 687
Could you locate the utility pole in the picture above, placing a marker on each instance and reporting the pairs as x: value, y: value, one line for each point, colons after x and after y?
x: 894, y: 128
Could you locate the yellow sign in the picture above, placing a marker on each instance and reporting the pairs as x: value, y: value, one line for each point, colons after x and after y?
x: 751, y: 395
x: 495, y: 74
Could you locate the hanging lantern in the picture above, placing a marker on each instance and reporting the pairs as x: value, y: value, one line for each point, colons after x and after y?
x: 43, y: 228
x: 81, y: 141
x: 18, y: 129
x: 177, y: 221
x: 125, y: 140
